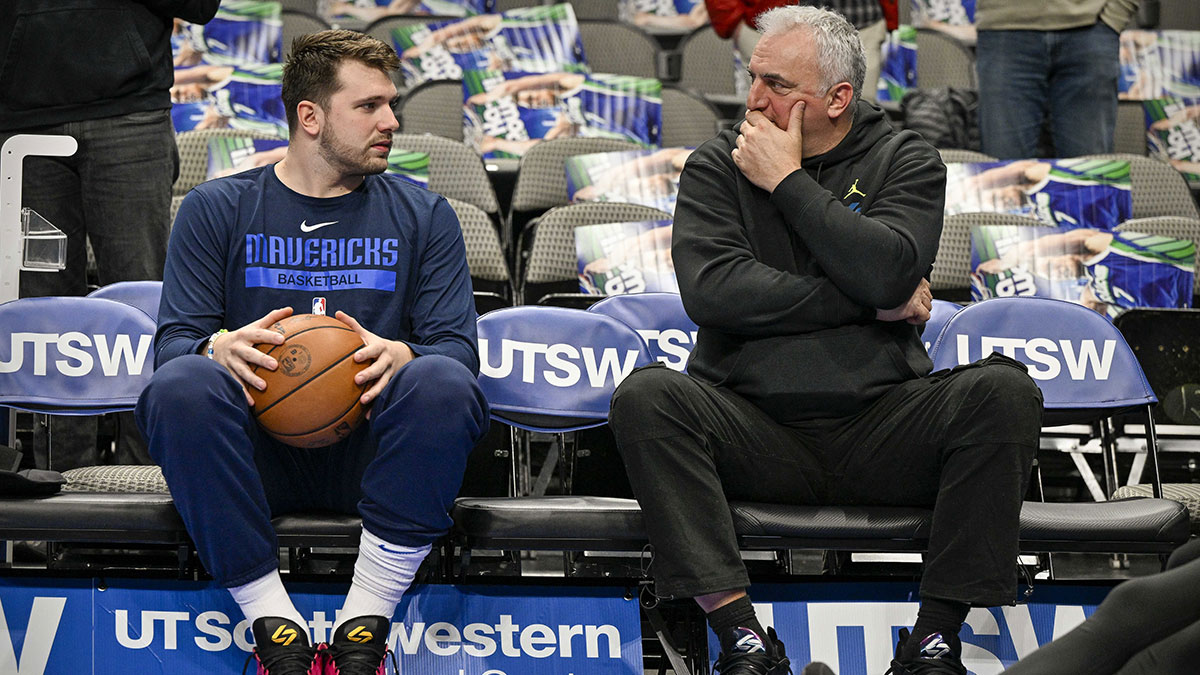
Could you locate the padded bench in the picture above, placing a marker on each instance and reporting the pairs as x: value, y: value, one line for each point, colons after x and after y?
x: 146, y: 518
x: 146, y: 515
x: 122, y: 505
x: 575, y: 523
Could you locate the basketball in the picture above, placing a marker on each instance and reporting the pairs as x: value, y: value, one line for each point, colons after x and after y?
x: 311, y: 399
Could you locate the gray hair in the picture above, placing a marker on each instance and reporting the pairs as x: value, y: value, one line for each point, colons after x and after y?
x: 840, y: 54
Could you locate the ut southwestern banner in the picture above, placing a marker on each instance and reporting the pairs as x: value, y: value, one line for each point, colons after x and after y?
x: 183, y: 628
x: 853, y: 628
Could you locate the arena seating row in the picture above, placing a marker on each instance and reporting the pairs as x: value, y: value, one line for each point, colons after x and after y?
x: 700, y: 60
x: 529, y: 251
x: 121, y: 506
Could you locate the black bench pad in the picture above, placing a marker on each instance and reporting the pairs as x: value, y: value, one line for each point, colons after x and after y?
x: 616, y: 524
x: 141, y: 518
x: 580, y: 522
x: 146, y: 518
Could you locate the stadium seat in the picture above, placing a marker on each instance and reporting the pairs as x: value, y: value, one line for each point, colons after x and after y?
x: 939, y: 314
x: 381, y: 29
x: 112, y: 362
x: 688, y: 119
x: 307, y: 6
x: 707, y: 65
x: 541, y: 182
x: 141, y: 294
x: 485, y: 257
x: 601, y: 10
x: 611, y: 46
x: 549, y: 263
x: 176, y: 200
x: 106, y: 355
x: 1129, y: 135
x: 1176, y: 227
x: 455, y: 170
x: 1164, y: 341
x: 660, y: 319
x: 295, y: 24
x: 1157, y: 188
x: 433, y: 107
x: 957, y: 155
x: 1080, y: 361
x: 943, y: 61
x: 586, y: 357
x: 193, y: 155
x: 951, y: 278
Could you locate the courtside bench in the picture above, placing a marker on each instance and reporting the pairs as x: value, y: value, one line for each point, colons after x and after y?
x: 580, y: 523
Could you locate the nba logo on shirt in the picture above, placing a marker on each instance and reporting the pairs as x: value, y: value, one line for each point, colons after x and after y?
x: 318, y: 307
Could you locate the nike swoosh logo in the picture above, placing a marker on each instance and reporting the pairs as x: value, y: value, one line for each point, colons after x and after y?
x: 305, y: 227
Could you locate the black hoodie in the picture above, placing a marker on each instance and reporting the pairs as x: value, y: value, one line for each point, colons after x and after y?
x: 784, y: 286
x: 72, y: 60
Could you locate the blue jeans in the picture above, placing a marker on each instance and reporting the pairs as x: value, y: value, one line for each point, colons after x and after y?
x: 115, y: 190
x: 400, y: 470
x: 1025, y: 74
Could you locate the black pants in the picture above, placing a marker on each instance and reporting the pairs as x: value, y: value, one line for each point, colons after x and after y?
x: 1146, y: 626
x: 961, y: 441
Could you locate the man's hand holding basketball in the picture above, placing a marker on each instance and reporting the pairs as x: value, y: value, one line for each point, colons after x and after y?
x: 766, y: 154
x: 389, y: 356
x: 235, y: 350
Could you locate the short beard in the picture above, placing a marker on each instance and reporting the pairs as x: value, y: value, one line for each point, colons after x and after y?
x: 341, y: 157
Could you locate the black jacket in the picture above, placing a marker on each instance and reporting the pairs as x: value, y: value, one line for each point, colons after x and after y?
x: 71, y: 60
x: 785, y: 286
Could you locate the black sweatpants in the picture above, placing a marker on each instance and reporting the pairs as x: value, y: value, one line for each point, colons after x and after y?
x: 1146, y: 626
x: 961, y: 441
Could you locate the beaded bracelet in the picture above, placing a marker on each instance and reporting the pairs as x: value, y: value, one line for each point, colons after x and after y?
x: 212, y: 341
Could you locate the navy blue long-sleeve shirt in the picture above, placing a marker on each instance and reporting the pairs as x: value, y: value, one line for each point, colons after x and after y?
x: 389, y: 254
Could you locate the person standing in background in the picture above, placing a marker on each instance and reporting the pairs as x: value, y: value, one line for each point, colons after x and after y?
x: 1048, y: 57
x: 735, y: 19
x: 99, y: 71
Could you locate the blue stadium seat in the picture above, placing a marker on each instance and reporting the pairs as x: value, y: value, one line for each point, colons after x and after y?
x: 661, y: 321
x: 1081, y: 362
x: 940, y: 313
x: 141, y: 294
x: 75, y: 356
x: 552, y: 370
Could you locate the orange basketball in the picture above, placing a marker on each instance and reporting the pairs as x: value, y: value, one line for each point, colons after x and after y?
x: 311, y: 399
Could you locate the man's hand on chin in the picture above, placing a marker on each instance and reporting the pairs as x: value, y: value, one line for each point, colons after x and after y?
x: 766, y: 154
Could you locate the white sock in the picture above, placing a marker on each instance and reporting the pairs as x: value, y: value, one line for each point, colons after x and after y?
x: 266, y: 596
x: 382, y: 573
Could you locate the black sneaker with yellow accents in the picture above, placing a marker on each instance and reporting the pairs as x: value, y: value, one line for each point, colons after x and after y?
x: 281, y: 647
x: 359, y: 647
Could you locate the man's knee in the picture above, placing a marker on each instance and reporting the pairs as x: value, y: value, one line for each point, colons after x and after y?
x: 642, y: 391
x: 182, y: 391
x: 183, y: 383
x: 1002, y: 386
x: 1003, y: 396
x: 437, y: 383
x: 650, y: 402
